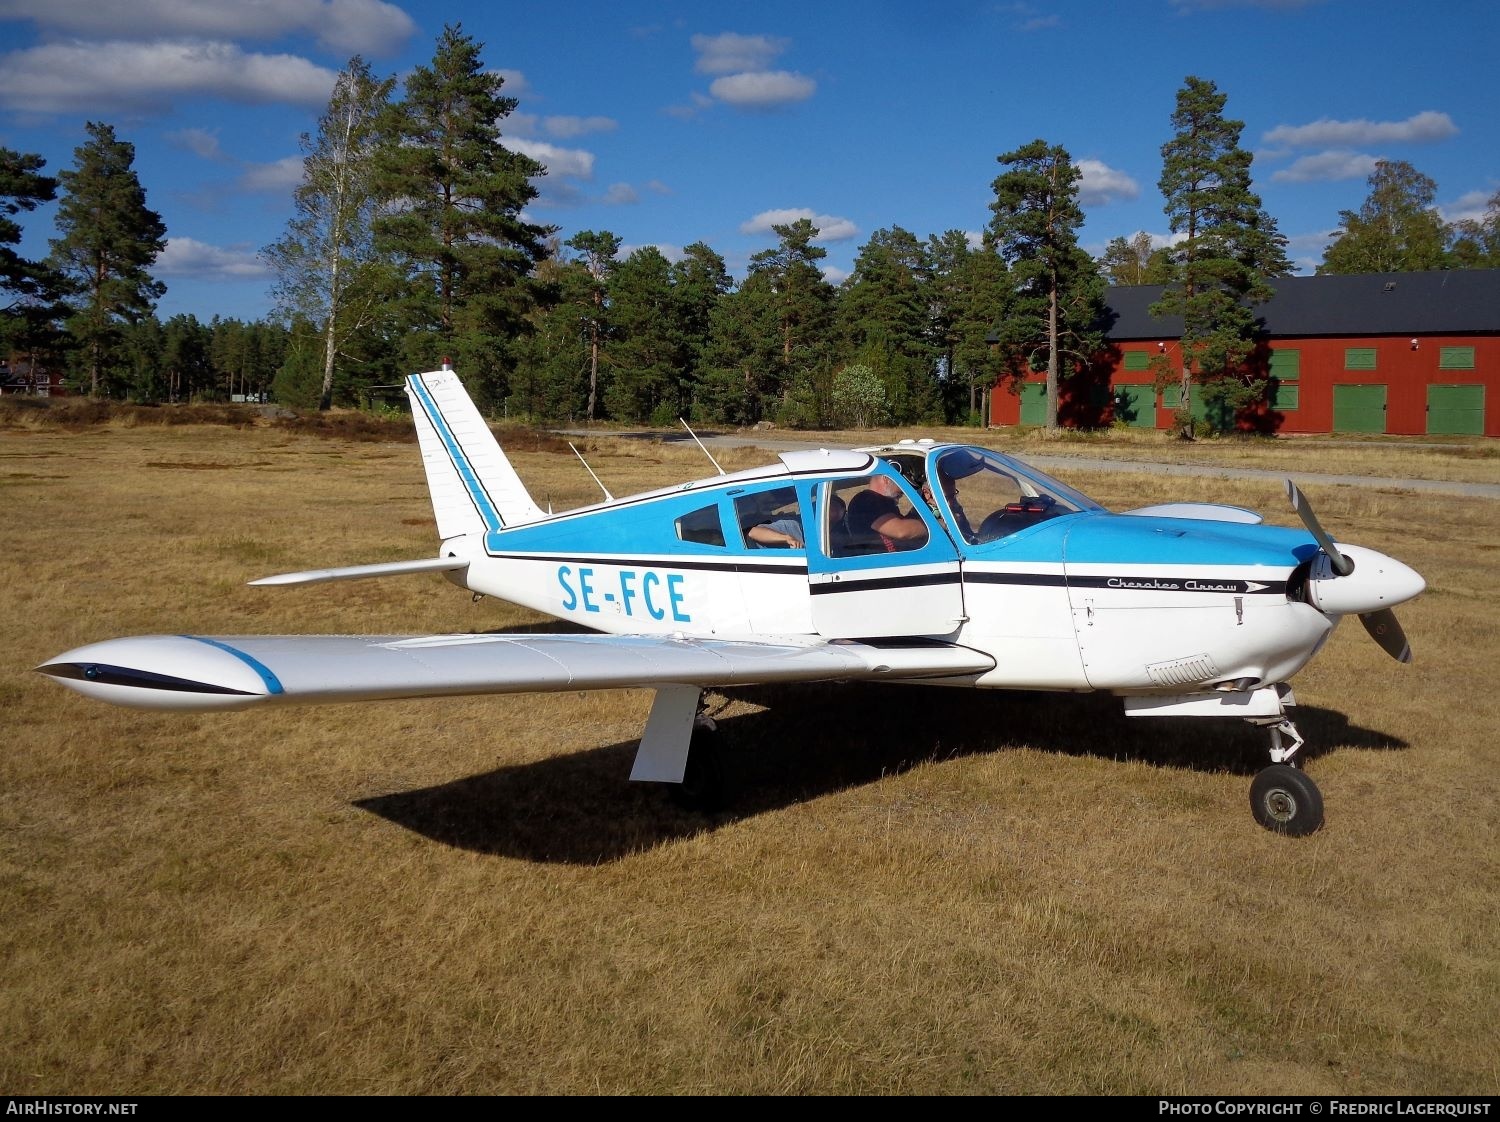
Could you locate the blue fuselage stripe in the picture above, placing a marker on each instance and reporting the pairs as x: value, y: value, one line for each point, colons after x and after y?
x: 273, y: 683
x: 476, y: 489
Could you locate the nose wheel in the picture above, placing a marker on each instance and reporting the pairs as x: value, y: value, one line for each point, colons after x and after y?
x: 1282, y: 798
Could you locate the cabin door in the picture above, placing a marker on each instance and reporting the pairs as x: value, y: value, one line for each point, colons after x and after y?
x: 867, y: 584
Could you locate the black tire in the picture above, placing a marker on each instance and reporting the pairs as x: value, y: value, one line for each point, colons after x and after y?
x: 1285, y: 801
x: 703, y: 788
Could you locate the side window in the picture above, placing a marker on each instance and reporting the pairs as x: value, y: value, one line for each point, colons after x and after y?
x: 703, y: 526
x: 877, y: 517
x: 771, y: 519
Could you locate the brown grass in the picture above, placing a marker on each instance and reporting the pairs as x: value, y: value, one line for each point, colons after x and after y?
x: 914, y: 891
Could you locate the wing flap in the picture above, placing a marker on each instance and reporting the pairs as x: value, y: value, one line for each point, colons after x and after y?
x: 199, y: 672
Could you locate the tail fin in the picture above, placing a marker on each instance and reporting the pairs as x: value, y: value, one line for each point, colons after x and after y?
x: 474, y: 488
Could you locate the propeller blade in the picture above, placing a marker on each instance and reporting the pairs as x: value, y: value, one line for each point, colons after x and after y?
x: 1341, y: 564
x: 1384, y: 629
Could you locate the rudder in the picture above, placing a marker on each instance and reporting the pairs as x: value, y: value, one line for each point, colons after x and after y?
x: 474, y: 488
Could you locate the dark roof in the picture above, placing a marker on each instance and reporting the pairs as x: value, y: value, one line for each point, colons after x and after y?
x: 1439, y: 302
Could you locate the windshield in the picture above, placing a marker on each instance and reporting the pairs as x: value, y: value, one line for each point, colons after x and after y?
x: 986, y: 495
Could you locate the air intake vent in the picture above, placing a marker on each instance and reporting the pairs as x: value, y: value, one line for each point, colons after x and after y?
x: 1183, y: 671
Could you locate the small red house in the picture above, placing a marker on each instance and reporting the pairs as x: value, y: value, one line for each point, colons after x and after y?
x: 21, y: 376
x: 1402, y: 353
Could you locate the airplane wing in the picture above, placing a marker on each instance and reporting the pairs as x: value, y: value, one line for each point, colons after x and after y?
x: 234, y: 672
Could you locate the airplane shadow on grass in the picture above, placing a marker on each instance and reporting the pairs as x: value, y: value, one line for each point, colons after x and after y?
x: 813, y: 740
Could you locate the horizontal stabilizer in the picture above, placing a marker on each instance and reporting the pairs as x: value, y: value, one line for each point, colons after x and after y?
x: 361, y: 572
x: 197, y: 672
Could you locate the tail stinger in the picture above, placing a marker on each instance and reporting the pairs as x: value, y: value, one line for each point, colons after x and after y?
x: 474, y: 488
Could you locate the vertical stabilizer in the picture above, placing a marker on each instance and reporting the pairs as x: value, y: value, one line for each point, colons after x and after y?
x: 474, y: 488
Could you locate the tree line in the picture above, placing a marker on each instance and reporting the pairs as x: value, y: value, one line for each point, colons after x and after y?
x: 409, y: 246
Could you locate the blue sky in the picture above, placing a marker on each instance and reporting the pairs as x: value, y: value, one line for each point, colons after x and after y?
x: 670, y: 123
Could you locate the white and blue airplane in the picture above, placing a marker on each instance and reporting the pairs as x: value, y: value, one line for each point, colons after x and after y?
x: 917, y: 561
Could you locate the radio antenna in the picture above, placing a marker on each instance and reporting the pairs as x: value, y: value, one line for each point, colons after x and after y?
x: 607, y: 496
x: 706, y: 452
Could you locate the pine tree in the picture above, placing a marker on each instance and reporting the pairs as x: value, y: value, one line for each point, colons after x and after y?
x: 1396, y: 230
x: 1058, y: 305
x: 1229, y: 251
x: 597, y: 249
x: 326, y: 264
x: 31, y: 292
x: 700, y: 281
x: 454, y: 196
x: 109, y: 241
x: 743, y: 358
x: 648, y: 352
x: 801, y: 301
x: 885, y: 322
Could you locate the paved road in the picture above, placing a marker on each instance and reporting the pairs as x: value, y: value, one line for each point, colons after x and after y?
x: 1085, y: 463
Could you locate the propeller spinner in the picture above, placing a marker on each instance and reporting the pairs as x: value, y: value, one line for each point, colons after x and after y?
x: 1369, y: 593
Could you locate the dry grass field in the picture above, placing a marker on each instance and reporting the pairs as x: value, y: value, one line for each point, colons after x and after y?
x: 912, y: 891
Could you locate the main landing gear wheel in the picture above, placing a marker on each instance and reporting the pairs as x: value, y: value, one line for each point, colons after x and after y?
x: 1285, y: 801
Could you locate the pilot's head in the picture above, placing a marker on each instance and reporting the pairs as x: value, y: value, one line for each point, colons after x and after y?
x: 885, y: 485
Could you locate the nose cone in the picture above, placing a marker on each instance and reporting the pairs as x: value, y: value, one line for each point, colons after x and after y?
x: 1377, y: 582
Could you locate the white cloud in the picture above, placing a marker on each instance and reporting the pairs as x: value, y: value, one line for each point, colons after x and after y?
x: 1327, y: 166
x: 621, y: 194
x: 830, y: 227
x: 763, y: 89
x: 283, y: 175
x: 1471, y: 207
x: 346, y: 26
x: 670, y: 252
x: 187, y: 257
x: 1101, y: 183
x: 834, y: 275
x: 730, y: 53
x: 697, y: 103
x: 567, y: 127
x: 657, y: 187
x: 1303, y: 246
x: 203, y: 143
x: 148, y: 77
x: 1422, y: 128
x: 520, y: 124
x: 559, y: 161
x: 514, y: 84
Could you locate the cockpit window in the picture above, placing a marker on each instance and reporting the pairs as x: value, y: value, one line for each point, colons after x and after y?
x: 986, y: 496
x: 771, y: 519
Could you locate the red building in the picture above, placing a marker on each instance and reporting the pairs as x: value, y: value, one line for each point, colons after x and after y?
x: 1403, y: 353
x: 22, y: 376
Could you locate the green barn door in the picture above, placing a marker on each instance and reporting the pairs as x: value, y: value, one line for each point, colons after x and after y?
x: 1034, y: 403
x: 1359, y: 409
x: 1136, y: 406
x: 1455, y: 410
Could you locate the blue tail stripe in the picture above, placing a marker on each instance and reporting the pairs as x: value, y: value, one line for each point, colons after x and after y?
x: 477, y: 493
x: 273, y: 683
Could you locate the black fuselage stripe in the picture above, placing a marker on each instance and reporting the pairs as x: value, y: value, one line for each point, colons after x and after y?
x: 872, y: 584
x: 1227, y: 586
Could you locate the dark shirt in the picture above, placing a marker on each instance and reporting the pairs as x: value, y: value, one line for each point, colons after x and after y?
x: 867, y: 508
